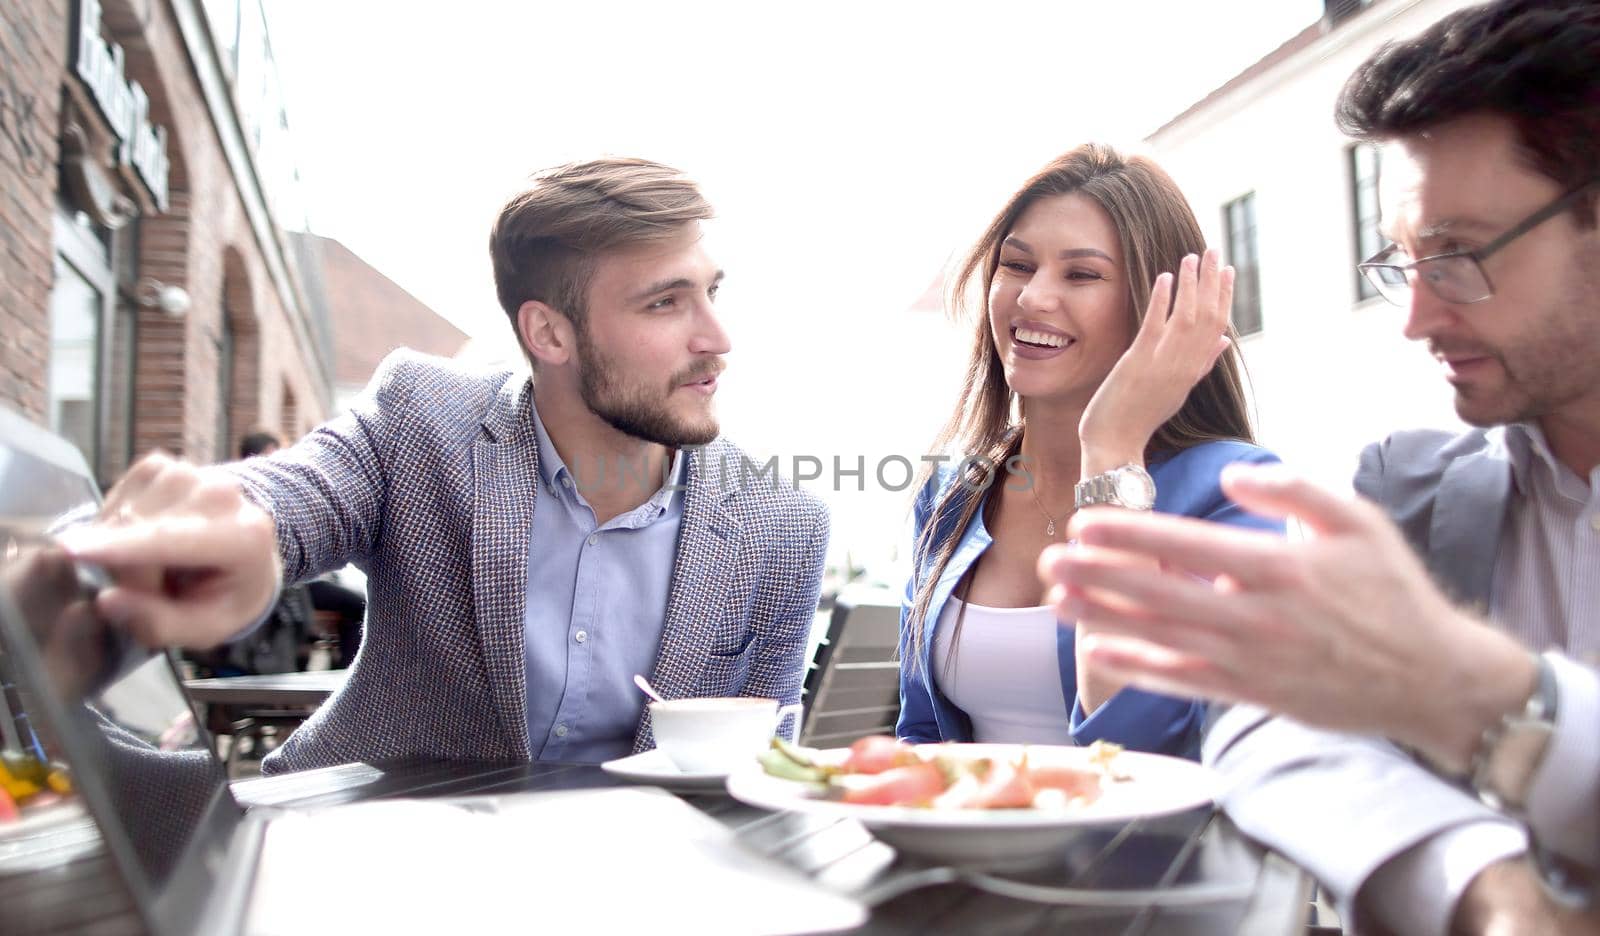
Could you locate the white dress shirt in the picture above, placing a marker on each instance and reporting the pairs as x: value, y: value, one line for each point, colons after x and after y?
x: 1546, y: 592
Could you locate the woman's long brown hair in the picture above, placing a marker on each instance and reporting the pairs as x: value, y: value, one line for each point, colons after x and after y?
x: 1157, y: 230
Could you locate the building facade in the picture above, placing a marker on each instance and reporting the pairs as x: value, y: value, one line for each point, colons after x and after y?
x: 373, y: 315
x: 1292, y: 203
x: 149, y: 296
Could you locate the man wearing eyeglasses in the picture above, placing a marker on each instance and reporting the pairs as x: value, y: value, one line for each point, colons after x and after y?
x: 1420, y: 717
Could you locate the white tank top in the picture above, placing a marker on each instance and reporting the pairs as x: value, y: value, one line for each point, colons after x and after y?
x: 1006, y: 675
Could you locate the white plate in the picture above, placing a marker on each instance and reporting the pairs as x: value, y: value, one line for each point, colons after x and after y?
x: 656, y: 768
x: 48, y: 837
x: 1156, y: 786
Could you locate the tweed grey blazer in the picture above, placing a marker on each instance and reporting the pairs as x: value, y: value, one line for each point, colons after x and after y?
x: 428, y: 485
x: 1449, y: 493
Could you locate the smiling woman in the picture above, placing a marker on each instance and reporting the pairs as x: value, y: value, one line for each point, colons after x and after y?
x: 1102, y: 372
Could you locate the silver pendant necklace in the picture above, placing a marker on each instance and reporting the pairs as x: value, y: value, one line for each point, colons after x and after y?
x: 1050, y: 525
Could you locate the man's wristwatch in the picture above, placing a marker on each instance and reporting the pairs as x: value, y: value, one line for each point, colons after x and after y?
x: 1129, y: 486
x: 1512, y: 749
x: 1503, y: 772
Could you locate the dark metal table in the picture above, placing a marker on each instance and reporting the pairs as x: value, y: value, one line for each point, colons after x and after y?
x: 278, y: 689
x: 1105, y: 881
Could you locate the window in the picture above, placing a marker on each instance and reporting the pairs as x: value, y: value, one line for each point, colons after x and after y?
x: 81, y: 303
x: 1336, y: 11
x: 227, y: 347
x: 75, y: 309
x: 1239, y: 221
x: 1364, y: 169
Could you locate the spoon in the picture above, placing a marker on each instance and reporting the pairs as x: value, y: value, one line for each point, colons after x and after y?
x: 646, y: 688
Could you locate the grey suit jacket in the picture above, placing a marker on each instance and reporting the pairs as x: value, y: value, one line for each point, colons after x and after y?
x: 1341, y: 805
x: 1449, y: 495
x: 428, y: 484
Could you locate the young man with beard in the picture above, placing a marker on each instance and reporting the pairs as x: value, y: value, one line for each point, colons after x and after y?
x: 1465, y: 631
x: 530, y: 545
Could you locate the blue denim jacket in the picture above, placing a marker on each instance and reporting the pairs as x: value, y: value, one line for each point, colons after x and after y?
x: 1187, y: 484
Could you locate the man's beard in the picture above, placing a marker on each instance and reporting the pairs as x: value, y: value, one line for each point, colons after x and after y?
x: 1545, y: 370
x: 632, y: 409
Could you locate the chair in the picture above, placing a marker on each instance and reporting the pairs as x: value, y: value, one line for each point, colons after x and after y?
x: 852, y: 688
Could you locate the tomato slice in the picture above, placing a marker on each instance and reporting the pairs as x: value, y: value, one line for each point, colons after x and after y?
x: 915, y: 785
x: 1072, y: 781
x: 1002, y: 786
x: 876, y: 753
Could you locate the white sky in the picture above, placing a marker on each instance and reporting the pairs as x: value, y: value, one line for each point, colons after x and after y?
x: 849, y: 148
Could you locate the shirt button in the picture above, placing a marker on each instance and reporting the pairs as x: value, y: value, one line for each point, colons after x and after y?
x: 1594, y: 522
x: 561, y: 731
x: 594, y: 538
x: 566, y: 482
x: 581, y: 636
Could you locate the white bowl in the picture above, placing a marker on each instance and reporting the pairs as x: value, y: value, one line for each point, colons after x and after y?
x: 999, y: 838
x: 713, y: 735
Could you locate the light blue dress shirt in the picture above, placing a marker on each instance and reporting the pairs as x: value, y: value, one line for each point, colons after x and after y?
x: 597, y: 599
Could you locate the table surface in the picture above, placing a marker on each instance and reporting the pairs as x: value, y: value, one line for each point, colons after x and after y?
x: 1176, y: 855
x: 308, y: 688
x: 1171, y: 857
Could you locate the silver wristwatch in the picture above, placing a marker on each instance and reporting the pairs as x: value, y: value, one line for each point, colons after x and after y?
x: 1512, y: 749
x: 1129, y: 486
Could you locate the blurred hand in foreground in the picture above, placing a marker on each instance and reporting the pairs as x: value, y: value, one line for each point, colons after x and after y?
x: 192, y: 560
x: 1342, y: 630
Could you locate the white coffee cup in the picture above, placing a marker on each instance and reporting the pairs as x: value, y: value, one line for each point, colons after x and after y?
x: 716, y: 735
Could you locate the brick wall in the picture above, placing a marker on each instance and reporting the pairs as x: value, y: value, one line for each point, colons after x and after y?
x: 203, y: 243
x: 32, y: 56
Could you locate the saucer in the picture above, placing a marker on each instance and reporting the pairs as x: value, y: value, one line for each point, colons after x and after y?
x: 657, y: 769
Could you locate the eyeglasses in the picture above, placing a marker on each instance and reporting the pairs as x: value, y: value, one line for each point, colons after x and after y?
x: 1457, y: 276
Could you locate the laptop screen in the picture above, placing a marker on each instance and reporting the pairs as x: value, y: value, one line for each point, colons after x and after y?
x: 42, y: 476
x: 112, y: 717
x: 102, y: 723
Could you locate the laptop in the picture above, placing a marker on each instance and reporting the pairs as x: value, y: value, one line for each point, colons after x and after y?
x: 193, y: 860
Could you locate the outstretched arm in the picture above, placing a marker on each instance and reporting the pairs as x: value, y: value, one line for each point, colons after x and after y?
x: 197, y: 554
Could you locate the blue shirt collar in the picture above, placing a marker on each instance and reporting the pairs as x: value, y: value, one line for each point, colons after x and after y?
x: 558, y: 480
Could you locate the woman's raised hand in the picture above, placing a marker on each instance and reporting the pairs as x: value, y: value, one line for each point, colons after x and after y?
x: 1169, y: 355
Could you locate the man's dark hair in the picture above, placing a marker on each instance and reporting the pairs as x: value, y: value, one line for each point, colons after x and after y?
x: 255, y: 443
x: 1534, y: 62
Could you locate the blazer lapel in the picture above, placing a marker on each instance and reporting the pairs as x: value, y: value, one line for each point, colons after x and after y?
x: 1468, y: 515
x: 708, y: 547
x: 505, y: 486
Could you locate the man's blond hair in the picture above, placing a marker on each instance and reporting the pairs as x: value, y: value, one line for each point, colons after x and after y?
x: 546, y: 239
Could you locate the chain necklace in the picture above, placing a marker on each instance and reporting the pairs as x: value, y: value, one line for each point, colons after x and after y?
x: 1050, y: 526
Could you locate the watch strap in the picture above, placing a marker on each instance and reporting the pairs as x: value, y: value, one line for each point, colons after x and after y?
x: 1512, y: 749
x: 1102, y: 488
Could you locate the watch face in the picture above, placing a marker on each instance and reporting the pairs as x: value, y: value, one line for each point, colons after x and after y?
x: 1133, y: 489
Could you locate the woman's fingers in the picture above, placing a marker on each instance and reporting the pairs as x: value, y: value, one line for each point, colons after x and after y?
x: 1155, y: 316
x: 1208, y: 278
x: 1225, y: 297
x: 1199, y: 314
x: 1183, y: 305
